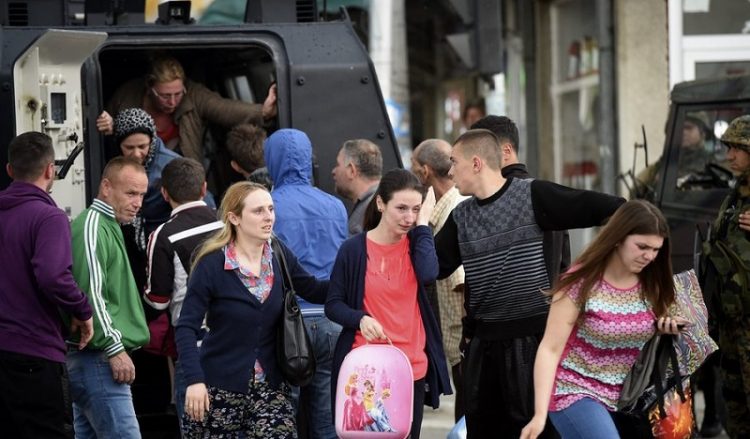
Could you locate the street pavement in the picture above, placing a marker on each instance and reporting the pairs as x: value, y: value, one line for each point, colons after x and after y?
x: 437, y: 423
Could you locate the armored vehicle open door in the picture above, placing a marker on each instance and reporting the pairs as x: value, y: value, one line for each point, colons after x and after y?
x: 46, y: 97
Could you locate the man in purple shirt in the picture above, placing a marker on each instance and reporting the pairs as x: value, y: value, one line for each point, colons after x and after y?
x: 36, y: 286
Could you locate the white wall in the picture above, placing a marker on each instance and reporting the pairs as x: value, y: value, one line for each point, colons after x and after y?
x: 642, y: 54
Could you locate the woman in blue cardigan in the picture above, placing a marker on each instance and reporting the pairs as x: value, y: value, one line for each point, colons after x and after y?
x: 235, y: 387
x: 377, y: 287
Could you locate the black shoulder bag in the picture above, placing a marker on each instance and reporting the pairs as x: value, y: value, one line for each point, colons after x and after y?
x: 653, y: 402
x: 294, y: 353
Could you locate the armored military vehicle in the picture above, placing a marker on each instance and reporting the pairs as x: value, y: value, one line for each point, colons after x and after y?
x: 61, y: 61
x: 691, y: 178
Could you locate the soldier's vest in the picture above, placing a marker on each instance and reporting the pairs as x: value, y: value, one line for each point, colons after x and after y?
x: 727, y: 250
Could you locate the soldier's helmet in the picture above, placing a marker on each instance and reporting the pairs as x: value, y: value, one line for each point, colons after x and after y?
x: 738, y: 133
x: 699, y: 119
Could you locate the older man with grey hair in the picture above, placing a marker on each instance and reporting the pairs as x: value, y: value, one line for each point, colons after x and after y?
x: 430, y: 162
x: 359, y: 166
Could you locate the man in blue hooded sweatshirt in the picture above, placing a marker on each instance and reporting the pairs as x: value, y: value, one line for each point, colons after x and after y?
x: 313, y: 224
x: 36, y: 284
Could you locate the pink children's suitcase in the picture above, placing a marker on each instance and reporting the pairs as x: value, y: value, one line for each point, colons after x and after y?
x: 374, y: 394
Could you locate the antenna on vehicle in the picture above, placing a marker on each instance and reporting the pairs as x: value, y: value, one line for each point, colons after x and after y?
x: 641, y: 189
x: 645, y: 144
x: 638, y: 188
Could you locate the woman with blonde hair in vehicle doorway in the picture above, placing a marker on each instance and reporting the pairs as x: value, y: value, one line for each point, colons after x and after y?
x: 181, y: 108
x: 603, y: 311
x: 235, y: 386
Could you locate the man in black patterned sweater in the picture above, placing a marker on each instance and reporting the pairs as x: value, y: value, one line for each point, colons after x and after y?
x: 498, y: 236
x: 556, y: 242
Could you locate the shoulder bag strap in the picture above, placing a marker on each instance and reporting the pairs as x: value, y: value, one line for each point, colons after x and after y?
x: 666, y: 354
x: 286, y: 280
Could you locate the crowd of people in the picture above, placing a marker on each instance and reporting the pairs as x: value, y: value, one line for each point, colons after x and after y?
x: 462, y: 263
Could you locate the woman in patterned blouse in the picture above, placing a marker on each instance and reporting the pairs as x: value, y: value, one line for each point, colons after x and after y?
x: 602, y: 313
x: 234, y: 385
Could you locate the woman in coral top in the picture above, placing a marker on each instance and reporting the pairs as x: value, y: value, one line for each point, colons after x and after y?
x: 377, y: 287
x: 603, y: 311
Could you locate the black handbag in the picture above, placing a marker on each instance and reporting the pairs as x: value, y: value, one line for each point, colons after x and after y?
x: 294, y: 353
x: 653, y: 401
x: 639, y: 377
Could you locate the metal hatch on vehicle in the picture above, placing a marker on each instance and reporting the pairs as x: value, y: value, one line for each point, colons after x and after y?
x: 47, y: 98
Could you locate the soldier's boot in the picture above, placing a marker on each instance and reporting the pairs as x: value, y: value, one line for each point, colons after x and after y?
x: 710, y: 383
x: 735, y: 376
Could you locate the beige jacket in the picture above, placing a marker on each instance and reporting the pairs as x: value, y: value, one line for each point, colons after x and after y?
x: 199, y: 106
x: 451, y: 301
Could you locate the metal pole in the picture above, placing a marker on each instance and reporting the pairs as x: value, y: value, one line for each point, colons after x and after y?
x: 608, y: 149
x: 525, y: 10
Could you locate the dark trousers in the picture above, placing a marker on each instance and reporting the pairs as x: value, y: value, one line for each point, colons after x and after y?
x: 34, y: 398
x: 499, y: 387
x: 734, y: 341
x: 709, y: 381
x: 416, y: 420
x: 458, y: 383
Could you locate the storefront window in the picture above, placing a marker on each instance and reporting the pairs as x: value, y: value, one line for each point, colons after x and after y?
x: 704, y: 70
x: 714, y: 17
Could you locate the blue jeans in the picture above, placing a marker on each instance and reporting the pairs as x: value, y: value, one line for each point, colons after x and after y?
x: 323, y: 335
x: 101, y: 407
x: 585, y: 419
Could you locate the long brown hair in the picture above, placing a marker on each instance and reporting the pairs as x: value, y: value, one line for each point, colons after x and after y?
x: 636, y: 217
x: 233, y: 201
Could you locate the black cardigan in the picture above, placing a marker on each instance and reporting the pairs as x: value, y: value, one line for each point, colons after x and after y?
x: 241, y: 328
x: 346, y: 298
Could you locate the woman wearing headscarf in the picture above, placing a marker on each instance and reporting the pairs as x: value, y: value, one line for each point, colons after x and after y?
x: 135, y: 135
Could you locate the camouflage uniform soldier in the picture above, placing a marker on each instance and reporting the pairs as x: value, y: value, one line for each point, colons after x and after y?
x: 728, y: 279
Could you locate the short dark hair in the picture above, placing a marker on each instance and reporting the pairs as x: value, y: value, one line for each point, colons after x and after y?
x: 245, y: 145
x: 183, y: 180
x: 393, y: 181
x: 366, y: 157
x: 503, y: 127
x: 483, y: 143
x: 28, y: 155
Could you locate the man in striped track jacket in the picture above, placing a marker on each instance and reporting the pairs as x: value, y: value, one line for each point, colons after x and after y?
x: 101, y: 374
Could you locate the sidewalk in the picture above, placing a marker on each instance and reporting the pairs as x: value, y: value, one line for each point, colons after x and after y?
x: 437, y: 423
